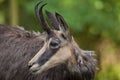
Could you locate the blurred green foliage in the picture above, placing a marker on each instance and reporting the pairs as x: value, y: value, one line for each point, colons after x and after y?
x: 101, y: 16
x: 95, y: 25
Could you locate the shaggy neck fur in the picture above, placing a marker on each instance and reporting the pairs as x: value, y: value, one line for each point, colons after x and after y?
x: 59, y: 73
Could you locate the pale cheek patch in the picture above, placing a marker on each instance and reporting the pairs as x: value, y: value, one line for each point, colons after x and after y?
x: 63, y: 54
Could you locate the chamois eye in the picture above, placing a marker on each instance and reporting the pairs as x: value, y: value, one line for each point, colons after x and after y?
x: 54, y: 44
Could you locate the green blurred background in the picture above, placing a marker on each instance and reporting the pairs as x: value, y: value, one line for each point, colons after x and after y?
x: 95, y: 25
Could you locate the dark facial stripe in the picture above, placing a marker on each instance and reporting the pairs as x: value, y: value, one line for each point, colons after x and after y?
x: 46, y: 56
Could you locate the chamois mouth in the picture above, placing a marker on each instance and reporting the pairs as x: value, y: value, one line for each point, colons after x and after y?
x: 35, y: 69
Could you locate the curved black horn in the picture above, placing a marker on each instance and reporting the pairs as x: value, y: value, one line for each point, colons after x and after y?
x: 52, y: 20
x: 40, y: 17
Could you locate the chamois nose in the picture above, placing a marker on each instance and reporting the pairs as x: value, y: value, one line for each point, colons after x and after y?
x: 30, y: 64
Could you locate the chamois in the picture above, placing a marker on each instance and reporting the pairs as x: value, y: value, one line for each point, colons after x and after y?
x: 51, y: 55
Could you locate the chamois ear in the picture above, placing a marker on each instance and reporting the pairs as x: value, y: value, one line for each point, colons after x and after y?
x: 52, y: 20
x: 63, y: 27
x: 63, y: 24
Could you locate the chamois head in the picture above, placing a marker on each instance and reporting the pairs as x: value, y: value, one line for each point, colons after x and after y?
x: 59, y: 47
